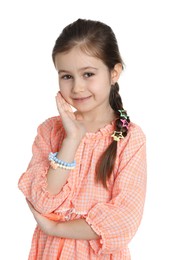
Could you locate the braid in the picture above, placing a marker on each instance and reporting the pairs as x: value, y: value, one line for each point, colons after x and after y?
x: 115, y: 100
x: 117, y: 105
x: 106, y: 162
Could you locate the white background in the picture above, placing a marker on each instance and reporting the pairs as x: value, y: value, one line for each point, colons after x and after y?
x: 28, y: 85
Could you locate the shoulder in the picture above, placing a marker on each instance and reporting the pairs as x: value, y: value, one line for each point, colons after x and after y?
x: 135, y: 133
x: 52, y: 123
x: 134, y: 140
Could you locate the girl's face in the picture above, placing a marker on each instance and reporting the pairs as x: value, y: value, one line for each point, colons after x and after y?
x: 84, y: 81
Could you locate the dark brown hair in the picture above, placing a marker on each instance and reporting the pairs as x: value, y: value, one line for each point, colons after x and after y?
x: 98, y: 40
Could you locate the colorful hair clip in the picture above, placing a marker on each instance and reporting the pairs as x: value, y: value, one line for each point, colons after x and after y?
x: 123, y: 113
x: 124, y: 123
x: 117, y: 135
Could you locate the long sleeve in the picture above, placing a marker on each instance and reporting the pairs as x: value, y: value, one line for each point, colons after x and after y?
x: 118, y: 220
x: 33, y: 182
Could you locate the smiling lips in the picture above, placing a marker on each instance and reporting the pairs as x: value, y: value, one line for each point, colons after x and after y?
x: 81, y: 99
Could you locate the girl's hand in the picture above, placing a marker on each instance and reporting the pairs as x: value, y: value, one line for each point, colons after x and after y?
x: 72, y: 123
x: 72, y: 229
x: 46, y: 225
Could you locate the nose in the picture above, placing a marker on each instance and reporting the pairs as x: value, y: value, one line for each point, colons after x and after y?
x: 78, y: 86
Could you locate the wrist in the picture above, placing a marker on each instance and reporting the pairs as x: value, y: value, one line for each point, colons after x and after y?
x: 68, y: 150
x: 72, y: 141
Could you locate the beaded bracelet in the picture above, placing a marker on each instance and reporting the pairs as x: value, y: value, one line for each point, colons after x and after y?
x: 57, y: 163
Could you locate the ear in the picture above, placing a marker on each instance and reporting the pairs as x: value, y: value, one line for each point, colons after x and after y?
x: 115, y: 73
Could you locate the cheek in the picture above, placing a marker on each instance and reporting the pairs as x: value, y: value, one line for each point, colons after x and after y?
x: 63, y: 89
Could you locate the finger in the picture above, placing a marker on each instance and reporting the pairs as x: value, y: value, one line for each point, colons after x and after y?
x: 60, y: 102
x: 31, y: 207
x: 62, y: 105
x: 65, y: 106
x: 29, y: 204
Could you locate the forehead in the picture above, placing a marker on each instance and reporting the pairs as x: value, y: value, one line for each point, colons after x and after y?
x: 75, y: 59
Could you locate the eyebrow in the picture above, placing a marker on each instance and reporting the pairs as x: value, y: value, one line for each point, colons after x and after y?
x: 84, y: 68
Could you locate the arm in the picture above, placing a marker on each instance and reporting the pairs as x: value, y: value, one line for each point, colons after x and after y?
x: 117, y: 221
x: 43, y: 187
x: 111, y: 226
x: 75, y: 131
x: 73, y: 229
x: 56, y: 179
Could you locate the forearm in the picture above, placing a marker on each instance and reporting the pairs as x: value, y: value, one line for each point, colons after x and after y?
x: 57, y: 178
x: 75, y: 229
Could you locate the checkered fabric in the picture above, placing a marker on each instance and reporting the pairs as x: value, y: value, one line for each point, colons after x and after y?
x: 115, y: 214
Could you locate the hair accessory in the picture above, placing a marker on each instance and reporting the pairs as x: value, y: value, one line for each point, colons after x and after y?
x: 117, y: 135
x: 57, y: 163
x: 124, y: 123
x: 123, y: 113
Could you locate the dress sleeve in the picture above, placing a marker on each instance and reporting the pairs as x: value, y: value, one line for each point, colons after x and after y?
x: 33, y: 182
x: 118, y: 220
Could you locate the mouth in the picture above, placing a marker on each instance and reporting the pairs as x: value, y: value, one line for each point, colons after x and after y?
x: 81, y: 99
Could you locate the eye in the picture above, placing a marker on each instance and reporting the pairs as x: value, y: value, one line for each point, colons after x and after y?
x: 66, y: 77
x: 88, y: 74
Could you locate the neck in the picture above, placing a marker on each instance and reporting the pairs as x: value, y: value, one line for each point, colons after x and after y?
x: 105, y: 116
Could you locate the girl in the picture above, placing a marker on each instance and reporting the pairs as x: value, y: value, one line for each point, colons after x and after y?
x: 86, y: 181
